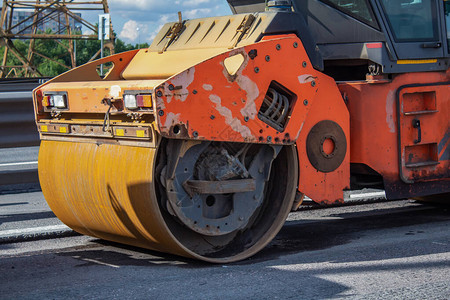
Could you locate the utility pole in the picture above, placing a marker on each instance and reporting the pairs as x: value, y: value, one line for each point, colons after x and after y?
x: 103, y: 33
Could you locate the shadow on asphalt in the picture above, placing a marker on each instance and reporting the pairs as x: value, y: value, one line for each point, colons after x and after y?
x: 295, y: 237
x: 28, y: 216
x: 13, y: 204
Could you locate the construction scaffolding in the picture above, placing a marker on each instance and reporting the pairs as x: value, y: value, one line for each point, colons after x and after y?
x: 31, y: 20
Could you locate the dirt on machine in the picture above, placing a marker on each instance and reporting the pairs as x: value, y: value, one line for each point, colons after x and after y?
x: 201, y: 145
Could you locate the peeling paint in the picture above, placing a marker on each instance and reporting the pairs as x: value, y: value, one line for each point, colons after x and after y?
x: 306, y: 78
x: 182, y: 80
x: 114, y: 92
x: 233, y: 122
x: 172, y: 119
x: 207, y: 87
x: 160, y: 103
x: 245, y: 83
x: 299, y: 131
x: 390, y: 111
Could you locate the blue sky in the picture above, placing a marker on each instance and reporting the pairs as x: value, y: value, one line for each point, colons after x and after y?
x: 150, y: 15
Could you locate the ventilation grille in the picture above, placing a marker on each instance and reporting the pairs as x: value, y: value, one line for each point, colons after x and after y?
x: 277, y: 106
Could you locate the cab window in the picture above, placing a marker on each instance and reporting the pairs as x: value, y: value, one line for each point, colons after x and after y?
x: 359, y: 9
x: 412, y: 20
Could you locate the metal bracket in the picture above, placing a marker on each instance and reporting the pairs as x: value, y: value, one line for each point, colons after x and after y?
x: 243, y: 28
x: 175, y: 30
x: 193, y: 187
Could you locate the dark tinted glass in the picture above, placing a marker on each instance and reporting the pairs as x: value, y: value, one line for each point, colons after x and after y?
x: 411, y: 20
x: 359, y: 9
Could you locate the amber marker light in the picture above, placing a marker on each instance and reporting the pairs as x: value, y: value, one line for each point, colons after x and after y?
x: 144, y: 101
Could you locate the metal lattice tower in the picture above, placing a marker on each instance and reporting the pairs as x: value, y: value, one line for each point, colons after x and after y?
x: 27, y: 19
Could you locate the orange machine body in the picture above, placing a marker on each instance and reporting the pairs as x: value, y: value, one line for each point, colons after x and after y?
x: 413, y: 160
x: 196, y: 105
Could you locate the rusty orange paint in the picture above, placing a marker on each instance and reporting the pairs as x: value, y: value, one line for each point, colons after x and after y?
x: 212, y: 104
x: 206, y: 102
x: 375, y: 126
x: 325, y: 188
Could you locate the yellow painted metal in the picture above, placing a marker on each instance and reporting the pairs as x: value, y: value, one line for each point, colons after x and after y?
x: 106, y: 191
x: 201, y: 39
x: 120, y: 132
x: 87, y: 96
x: 233, y: 63
x: 163, y: 65
x: 140, y: 133
x: 416, y: 61
x: 109, y: 191
x: 216, y: 32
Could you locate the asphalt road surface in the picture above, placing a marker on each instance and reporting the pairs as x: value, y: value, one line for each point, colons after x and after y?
x: 384, y: 250
x: 12, y: 159
x: 18, y: 169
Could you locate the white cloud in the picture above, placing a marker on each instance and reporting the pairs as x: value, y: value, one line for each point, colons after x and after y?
x: 129, y: 31
x: 197, y: 13
x: 194, y: 3
x: 134, y: 32
x: 151, y: 15
x: 131, y: 5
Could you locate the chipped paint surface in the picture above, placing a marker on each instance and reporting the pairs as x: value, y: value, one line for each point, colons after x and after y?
x: 230, y: 112
x: 183, y: 81
x: 245, y: 83
x: 114, y: 91
x: 299, y: 131
x: 160, y: 103
x: 207, y: 87
x: 306, y: 78
x: 172, y: 119
x: 233, y: 122
x: 390, y: 99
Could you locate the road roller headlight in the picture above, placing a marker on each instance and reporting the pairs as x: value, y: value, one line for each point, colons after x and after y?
x: 55, y: 100
x: 137, y: 101
x: 59, y: 101
x: 130, y: 101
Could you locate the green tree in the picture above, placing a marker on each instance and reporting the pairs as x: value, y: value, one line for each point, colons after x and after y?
x: 57, y: 51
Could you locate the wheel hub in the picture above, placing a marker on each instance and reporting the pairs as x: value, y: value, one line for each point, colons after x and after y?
x: 215, y: 189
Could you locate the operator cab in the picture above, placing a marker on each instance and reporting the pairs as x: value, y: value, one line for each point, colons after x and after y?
x: 376, y: 36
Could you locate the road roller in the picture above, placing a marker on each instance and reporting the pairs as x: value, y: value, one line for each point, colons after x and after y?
x: 201, y: 144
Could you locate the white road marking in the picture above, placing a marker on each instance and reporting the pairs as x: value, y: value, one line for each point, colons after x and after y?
x: 368, y: 195
x: 19, y: 164
x: 33, y: 230
x: 99, y: 262
x: 437, y: 243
